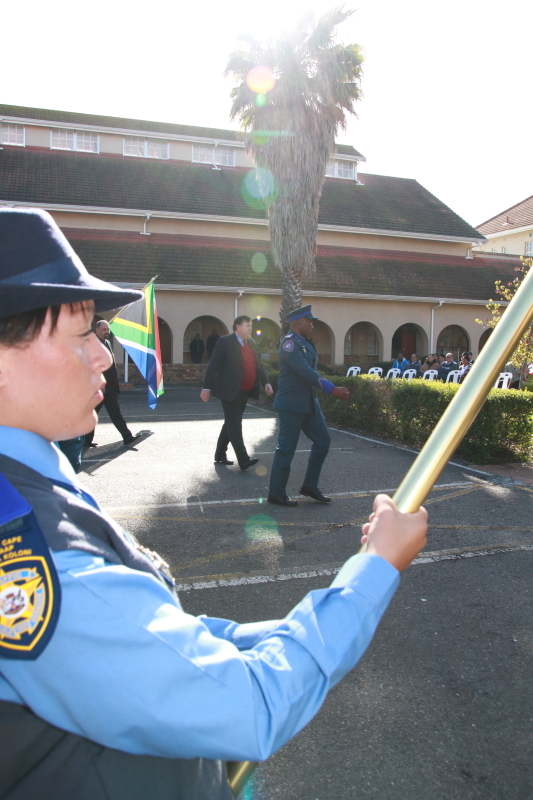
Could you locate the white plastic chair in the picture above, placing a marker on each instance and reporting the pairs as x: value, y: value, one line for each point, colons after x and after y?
x: 410, y: 374
x: 394, y: 372
x: 353, y: 371
x: 453, y: 376
x: 506, y: 379
x: 375, y: 371
x: 430, y: 375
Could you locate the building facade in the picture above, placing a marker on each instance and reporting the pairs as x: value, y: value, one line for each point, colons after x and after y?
x: 511, y: 232
x: 395, y: 267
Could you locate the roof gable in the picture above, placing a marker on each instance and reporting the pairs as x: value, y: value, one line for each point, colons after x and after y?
x: 518, y: 216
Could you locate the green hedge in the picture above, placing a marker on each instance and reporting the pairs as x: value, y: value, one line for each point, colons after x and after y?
x: 408, y: 411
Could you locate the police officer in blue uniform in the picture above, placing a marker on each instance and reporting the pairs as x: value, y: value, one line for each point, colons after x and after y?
x: 299, y: 410
x: 108, y: 688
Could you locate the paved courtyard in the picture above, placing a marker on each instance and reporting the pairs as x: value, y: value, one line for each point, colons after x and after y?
x: 440, y: 707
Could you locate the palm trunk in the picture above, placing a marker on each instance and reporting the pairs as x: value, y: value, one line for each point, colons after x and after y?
x: 291, y: 295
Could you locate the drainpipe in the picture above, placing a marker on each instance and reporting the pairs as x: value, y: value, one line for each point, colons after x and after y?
x: 144, y: 232
x: 241, y: 292
x: 431, y: 348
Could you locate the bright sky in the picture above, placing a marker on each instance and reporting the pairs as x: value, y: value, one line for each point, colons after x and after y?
x: 447, y: 86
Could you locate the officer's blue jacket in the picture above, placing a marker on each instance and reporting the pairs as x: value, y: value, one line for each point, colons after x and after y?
x: 298, y: 378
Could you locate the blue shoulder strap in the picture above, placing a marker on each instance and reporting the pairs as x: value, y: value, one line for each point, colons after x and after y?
x: 30, y: 595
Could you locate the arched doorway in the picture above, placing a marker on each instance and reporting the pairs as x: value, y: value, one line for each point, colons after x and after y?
x: 323, y: 340
x: 203, y: 326
x: 485, y: 336
x: 265, y: 334
x: 363, y: 344
x: 165, y: 341
x: 409, y: 338
x: 453, y: 339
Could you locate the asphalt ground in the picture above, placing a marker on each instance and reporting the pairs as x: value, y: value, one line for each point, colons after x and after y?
x: 441, y: 705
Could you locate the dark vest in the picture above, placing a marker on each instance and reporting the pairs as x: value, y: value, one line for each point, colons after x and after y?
x: 39, y: 760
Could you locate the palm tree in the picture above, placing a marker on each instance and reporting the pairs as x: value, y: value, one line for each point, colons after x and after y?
x: 290, y: 132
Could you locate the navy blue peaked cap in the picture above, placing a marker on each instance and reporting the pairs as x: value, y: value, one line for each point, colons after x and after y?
x: 39, y: 268
x: 299, y: 313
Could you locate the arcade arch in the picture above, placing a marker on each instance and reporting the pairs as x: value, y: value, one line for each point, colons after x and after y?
x: 324, y: 341
x: 204, y: 326
x: 485, y: 336
x: 165, y: 341
x: 453, y: 339
x: 410, y: 338
x: 266, y: 334
x: 363, y: 342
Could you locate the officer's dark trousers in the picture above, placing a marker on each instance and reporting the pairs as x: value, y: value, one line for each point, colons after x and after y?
x: 290, y: 424
x: 232, y: 428
x: 113, y: 409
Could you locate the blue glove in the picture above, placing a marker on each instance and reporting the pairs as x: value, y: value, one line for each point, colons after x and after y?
x: 326, y: 386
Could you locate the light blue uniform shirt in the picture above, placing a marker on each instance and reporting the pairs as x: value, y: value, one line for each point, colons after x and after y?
x: 127, y: 668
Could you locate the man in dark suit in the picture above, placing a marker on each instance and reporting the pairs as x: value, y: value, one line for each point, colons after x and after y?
x: 111, y: 393
x: 233, y: 375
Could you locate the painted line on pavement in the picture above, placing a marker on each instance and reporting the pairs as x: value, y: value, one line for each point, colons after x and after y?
x: 214, y: 582
x: 409, y: 450
x: 254, y: 500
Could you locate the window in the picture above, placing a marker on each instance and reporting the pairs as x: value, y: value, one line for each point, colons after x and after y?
x: 204, y: 154
x: 373, y: 348
x: 529, y: 249
x: 145, y: 148
x: 12, y: 134
x: 65, y: 139
x: 341, y: 169
x: 504, y: 250
x: 494, y: 250
x: 348, y: 343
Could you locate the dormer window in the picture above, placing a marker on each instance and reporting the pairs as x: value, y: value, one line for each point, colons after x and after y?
x: 209, y: 154
x: 12, y: 134
x: 342, y: 169
x: 145, y: 148
x: 81, y: 141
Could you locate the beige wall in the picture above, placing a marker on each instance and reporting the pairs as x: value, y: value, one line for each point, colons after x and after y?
x: 337, y: 316
x: 37, y: 137
x: 514, y: 242
x: 403, y: 243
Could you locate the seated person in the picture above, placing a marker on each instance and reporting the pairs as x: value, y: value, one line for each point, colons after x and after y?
x: 465, y: 366
x: 401, y: 362
x: 430, y: 362
x: 414, y: 363
x: 447, y: 365
x: 101, y: 669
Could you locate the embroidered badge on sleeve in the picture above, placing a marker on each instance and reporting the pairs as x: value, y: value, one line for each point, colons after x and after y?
x: 29, y: 587
x: 288, y: 346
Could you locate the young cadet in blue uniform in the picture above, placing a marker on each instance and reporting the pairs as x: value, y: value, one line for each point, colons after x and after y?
x: 299, y: 410
x: 108, y: 689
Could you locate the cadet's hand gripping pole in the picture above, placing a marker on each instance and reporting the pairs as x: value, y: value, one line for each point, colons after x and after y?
x: 449, y: 431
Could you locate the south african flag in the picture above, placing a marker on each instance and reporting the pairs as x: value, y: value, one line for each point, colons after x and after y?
x: 137, y: 330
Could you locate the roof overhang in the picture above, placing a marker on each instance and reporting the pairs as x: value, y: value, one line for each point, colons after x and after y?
x: 184, y: 287
x: 523, y: 229
x: 178, y: 215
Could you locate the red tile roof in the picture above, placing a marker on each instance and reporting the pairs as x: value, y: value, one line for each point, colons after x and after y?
x: 518, y: 216
x: 196, y: 260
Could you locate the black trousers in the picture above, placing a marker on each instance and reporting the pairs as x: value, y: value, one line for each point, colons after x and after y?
x: 232, y: 428
x: 113, y: 409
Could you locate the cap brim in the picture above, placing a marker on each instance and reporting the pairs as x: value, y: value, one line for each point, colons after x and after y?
x: 18, y: 299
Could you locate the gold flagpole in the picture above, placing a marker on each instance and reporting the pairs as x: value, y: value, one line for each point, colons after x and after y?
x: 448, y: 433
x: 142, y: 290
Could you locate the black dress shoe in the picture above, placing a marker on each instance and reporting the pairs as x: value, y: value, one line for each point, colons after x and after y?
x: 315, y: 494
x: 282, y: 501
x: 249, y: 463
x: 223, y: 460
x: 132, y: 439
x: 90, y: 444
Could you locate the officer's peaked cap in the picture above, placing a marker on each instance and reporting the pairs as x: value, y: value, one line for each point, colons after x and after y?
x: 299, y: 313
x: 39, y: 268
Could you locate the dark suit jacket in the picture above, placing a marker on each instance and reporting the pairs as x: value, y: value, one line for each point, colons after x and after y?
x: 225, y: 371
x: 111, y: 374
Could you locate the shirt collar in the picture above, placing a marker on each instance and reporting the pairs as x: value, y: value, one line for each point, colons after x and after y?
x: 242, y: 342
x: 36, y: 453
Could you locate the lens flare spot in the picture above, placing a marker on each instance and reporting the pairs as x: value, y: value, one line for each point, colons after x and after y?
x: 261, y: 100
x: 261, y: 470
x: 259, y: 262
x: 261, y: 526
x: 258, y: 333
x: 259, y: 304
x: 260, y: 79
x: 259, y: 188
